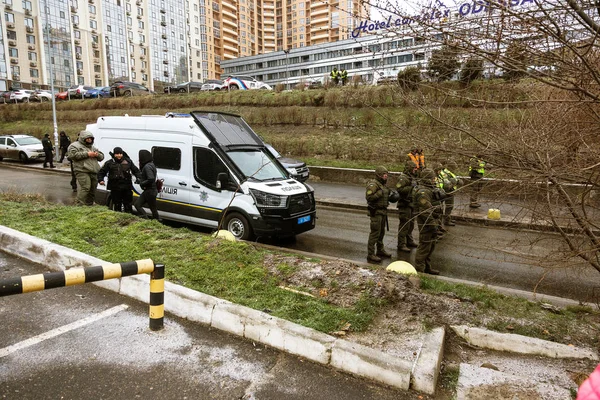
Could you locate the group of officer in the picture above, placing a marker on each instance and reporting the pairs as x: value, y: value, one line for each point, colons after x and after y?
x: 339, y: 76
x: 422, y: 194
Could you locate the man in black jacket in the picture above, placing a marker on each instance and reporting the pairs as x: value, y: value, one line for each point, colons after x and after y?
x: 119, y: 169
x: 48, y: 148
x: 148, y: 184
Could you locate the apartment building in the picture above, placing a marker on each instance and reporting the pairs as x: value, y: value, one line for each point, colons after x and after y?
x: 95, y: 42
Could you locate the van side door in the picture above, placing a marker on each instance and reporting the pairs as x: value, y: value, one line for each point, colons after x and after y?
x: 210, y: 201
x: 10, y: 149
x: 173, y: 163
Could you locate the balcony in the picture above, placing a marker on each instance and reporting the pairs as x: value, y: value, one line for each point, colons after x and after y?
x: 77, y: 41
x: 12, y: 43
x: 164, y: 36
x: 143, y: 70
x: 133, y: 67
x: 34, y: 81
x: 163, y: 23
x: 10, y: 25
x: 138, y: 2
x: 16, y: 77
x: 166, y: 73
x: 14, y: 61
x: 95, y: 45
x: 165, y: 62
x: 97, y: 76
x: 139, y: 16
x: 8, y: 7
x: 29, y: 29
x: 96, y: 61
x: 33, y: 64
x: 31, y: 47
x: 142, y: 57
x: 73, y: 9
x: 78, y: 56
x: 75, y: 25
x: 163, y: 11
x: 79, y: 72
x: 91, y: 1
x: 28, y: 12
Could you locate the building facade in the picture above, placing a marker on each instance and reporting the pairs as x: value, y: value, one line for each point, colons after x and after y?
x: 95, y: 42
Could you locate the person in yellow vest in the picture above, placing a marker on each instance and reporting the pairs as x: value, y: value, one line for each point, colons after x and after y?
x: 335, y: 76
x: 344, y: 77
x: 476, y: 172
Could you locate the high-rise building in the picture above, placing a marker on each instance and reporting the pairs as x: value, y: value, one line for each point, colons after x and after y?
x: 95, y: 42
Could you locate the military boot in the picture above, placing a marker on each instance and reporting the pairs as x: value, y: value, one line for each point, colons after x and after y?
x: 383, y: 254
x: 404, y: 248
x: 373, y: 258
x: 449, y: 221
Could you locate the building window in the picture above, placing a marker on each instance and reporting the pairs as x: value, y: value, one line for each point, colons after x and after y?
x: 34, y: 73
x: 12, y: 52
x: 93, y: 24
x: 29, y: 22
x: 9, y: 17
x: 30, y: 39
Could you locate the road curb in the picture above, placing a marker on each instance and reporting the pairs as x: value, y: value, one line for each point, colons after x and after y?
x: 232, y: 318
x: 521, y: 344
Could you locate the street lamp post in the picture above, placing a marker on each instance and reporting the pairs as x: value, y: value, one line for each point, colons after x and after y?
x: 286, y: 67
x: 51, y: 70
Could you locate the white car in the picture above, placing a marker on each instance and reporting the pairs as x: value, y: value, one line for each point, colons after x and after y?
x: 77, y: 91
x: 20, y: 95
x: 243, y: 82
x: 21, y: 147
x: 41, y: 96
x: 211, y: 85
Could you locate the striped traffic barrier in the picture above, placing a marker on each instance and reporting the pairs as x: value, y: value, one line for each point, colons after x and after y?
x: 77, y: 276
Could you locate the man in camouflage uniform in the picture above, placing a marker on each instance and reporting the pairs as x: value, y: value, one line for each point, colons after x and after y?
x: 377, y: 196
x: 429, y: 211
x: 406, y: 223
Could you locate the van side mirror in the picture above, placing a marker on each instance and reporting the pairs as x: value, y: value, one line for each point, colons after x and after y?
x: 222, y: 180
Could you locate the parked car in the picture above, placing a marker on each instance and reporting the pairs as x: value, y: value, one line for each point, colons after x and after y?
x: 244, y: 82
x: 124, y: 88
x: 184, y: 87
x: 296, y: 168
x: 21, y: 147
x: 5, y: 96
x: 97, y: 92
x: 212, y: 84
x: 387, y: 80
x: 62, y: 95
x: 78, y: 91
x: 41, y: 95
x: 20, y: 95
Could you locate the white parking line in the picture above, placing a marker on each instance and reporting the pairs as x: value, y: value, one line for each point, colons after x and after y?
x: 59, y: 331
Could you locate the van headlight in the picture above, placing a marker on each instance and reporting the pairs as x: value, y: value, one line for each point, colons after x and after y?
x: 269, y: 200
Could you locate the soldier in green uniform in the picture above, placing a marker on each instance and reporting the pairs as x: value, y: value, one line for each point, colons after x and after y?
x: 406, y: 223
x: 377, y: 196
x: 429, y: 211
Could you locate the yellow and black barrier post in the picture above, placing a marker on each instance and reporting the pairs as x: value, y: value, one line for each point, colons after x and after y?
x: 77, y: 276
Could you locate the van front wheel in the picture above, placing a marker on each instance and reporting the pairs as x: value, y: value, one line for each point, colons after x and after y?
x: 238, y: 225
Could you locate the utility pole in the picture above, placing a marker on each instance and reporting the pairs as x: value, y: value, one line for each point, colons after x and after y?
x: 51, y: 70
x: 286, y: 67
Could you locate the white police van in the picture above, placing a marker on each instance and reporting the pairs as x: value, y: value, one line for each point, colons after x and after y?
x: 216, y: 170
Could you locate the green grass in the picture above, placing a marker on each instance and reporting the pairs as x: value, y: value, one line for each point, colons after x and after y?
x: 232, y: 271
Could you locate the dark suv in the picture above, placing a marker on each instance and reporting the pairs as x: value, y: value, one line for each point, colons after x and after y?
x: 124, y: 88
x: 184, y: 87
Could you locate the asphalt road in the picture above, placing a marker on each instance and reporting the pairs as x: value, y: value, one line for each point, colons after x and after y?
x: 495, y: 256
x: 84, y: 342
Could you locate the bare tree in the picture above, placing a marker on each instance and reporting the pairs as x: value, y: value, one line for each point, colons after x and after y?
x: 542, y: 132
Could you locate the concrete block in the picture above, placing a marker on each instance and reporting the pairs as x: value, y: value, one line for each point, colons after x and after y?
x: 426, y: 369
x: 229, y: 318
x: 475, y: 383
x: 289, y: 337
x: 136, y: 287
x: 520, y: 344
x: 190, y: 304
x: 370, y: 363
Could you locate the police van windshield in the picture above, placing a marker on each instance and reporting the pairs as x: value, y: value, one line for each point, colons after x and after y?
x: 257, y: 164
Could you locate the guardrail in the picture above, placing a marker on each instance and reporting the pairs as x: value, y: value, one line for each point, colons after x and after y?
x: 77, y: 276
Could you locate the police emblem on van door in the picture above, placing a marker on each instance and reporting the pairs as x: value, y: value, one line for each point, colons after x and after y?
x: 203, y: 196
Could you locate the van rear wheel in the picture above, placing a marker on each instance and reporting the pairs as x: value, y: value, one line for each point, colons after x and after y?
x: 238, y: 225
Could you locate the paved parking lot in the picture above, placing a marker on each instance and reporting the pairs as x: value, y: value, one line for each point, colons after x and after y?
x: 82, y: 342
